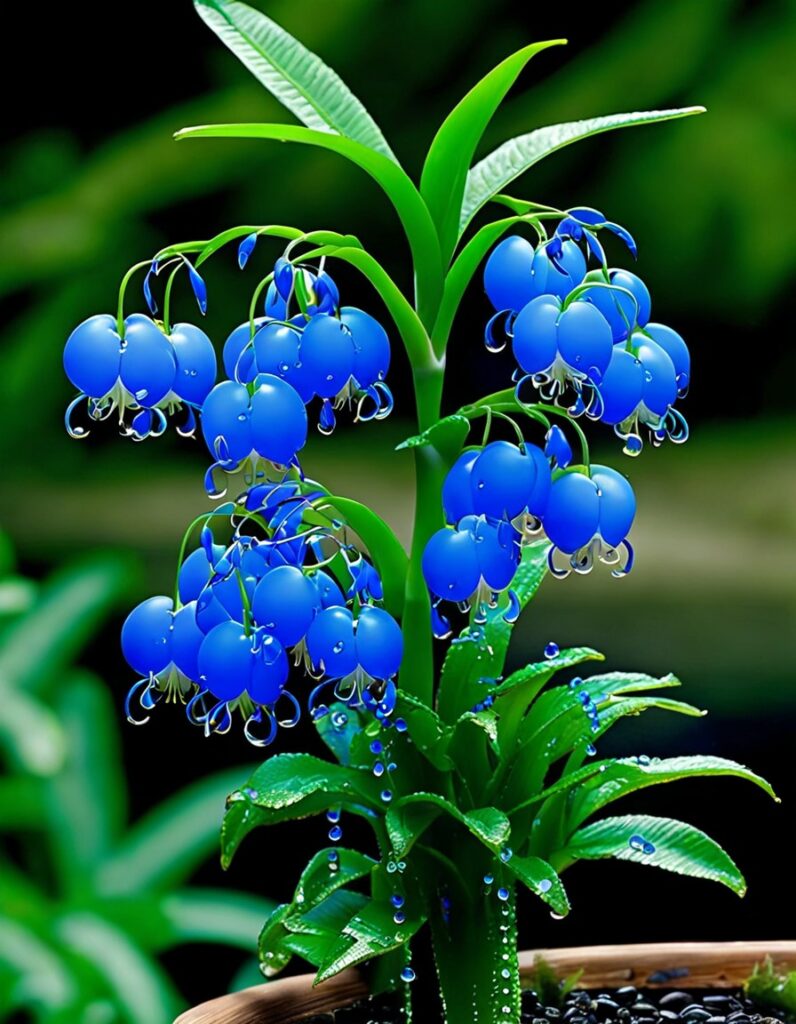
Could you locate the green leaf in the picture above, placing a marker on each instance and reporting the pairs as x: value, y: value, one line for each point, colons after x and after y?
x: 318, y: 882
x: 218, y: 916
x: 426, y: 729
x: 169, y: 842
x: 17, y: 595
x: 21, y: 803
x: 630, y: 774
x: 311, y: 934
x: 291, y: 786
x: 541, y: 878
x: 339, y: 730
x: 86, y: 800
x: 442, y: 182
x: 31, y: 737
x: 769, y: 987
x: 38, y: 647
x: 371, y: 932
x: 394, y: 182
x: 480, y: 651
x: 411, y: 815
x: 139, y: 986
x: 310, y: 90
x: 37, y: 967
x: 491, y: 175
x: 678, y: 847
x: 447, y: 436
x: 383, y: 546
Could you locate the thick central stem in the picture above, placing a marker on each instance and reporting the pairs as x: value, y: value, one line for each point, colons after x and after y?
x: 417, y: 672
x: 476, y: 958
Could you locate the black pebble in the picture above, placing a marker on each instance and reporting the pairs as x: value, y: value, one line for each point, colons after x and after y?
x: 672, y: 999
x: 669, y: 1015
x: 627, y: 994
x: 552, y: 1013
x: 644, y: 1008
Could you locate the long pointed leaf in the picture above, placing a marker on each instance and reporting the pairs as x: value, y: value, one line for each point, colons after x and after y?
x: 631, y: 774
x: 140, y: 988
x: 31, y: 737
x: 210, y: 915
x: 444, y: 174
x: 167, y: 844
x: 73, y: 601
x: 491, y: 175
x: 295, y: 76
x: 394, y: 182
x: 677, y: 846
x: 86, y: 805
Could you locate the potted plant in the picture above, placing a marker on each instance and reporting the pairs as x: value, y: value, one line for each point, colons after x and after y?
x: 474, y: 782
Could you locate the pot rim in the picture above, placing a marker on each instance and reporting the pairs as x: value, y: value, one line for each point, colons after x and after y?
x: 653, y: 964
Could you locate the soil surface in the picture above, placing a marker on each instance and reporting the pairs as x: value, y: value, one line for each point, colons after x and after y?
x: 626, y: 1005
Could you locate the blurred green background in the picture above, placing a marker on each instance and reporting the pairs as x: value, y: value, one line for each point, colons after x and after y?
x: 93, y: 182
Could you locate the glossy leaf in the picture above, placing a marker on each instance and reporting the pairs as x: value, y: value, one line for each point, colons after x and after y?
x: 445, y: 170
x: 540, y: 877
x: 318, y: 882
x: 480, y: 651
x: 340, y: 733
x: 31, y: 737
x: 631, y: 774
x: 412, y: 815
x: 299, y: 79
x: 492, y: 174
x: 169, y: 842
x: 446, y: 437
x: 678, y: 847
x: 371, y: 932
x: 398, y: 188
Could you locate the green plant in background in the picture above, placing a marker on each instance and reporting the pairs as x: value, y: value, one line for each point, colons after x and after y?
x: 88, y: 901
x: 770, y: 987
x: 474, y: 783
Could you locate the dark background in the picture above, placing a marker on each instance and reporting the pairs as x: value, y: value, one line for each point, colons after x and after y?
x: 93, y: 183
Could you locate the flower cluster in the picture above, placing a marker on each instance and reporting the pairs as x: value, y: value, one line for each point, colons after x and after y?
x: 587, y: 332
x: 288, y: 580
x: 501, y: 495
x: 242, y: 607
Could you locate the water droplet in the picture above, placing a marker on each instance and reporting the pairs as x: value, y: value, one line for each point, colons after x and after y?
x: 399, y: 917
x: 505, y: 973
x: 575, y: 683
x: 335, y: 833
x: 512, y: 613
x: 242, y: 417
x: 339, y: 719
x: 386, y: 795
x: 376, y: 747
x: 400, y: 725
x: 392, y: 867
x: 643, y: 760
x: 391, y: 767
x: 641, y: 845
x: 503, y: 893
x: 545, y: 885
x: 591, y: 750
x: 506, y: 854
x: 489, y: 879
x: 407, y: 975
x: 397, y: 900
x: 378, y: 769
x: 284, y: 367
x: 555, y: 916
x: 551, y: 650
x: 333, y: 817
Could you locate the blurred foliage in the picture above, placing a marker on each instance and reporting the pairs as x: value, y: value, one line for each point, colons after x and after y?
x: 88, y: 901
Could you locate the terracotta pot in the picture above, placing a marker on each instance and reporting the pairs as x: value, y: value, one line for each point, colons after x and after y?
x: 653, y: 965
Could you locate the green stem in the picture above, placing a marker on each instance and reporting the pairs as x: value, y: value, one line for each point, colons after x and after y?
x: 122, y: 289
x: 167, y: 300
x: 476, y: 957
x: 417, y: 671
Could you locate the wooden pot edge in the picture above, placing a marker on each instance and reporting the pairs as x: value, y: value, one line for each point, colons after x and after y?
x: 657, y: 964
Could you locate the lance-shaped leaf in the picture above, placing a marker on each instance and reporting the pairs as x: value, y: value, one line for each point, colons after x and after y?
x: 410, y: 816
x: 476, y: 657
x: 446, y: 436
x: 211, y: 915
x: 295, y: 76
x: 394, y: 182
x: 371, y: 932
x: 672, y: 845
x: 630, y: 774
x: 444, y: 174
x: 542, y: 879
x: 292, y: 786
x: 491, y: 175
